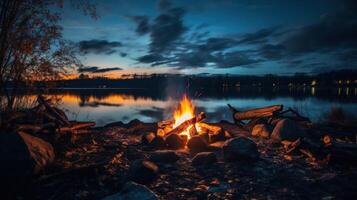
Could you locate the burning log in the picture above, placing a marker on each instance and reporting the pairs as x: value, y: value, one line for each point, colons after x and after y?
x: 165, y: 123
x: 256, y: 113
x: 215, y: 133
x: 182, y: 127
x: 210, y: 128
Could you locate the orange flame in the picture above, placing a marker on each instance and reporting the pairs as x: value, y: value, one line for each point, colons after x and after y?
x: 185, y: 111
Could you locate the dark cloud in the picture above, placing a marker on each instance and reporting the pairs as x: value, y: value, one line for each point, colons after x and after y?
x: 98, y: 46
x: 87, y: 69
x: 97, y: 69
x: 142, y: 23
x: 324, y: 36
x: 103, y: 70
x: 164, y: 5
x: 165, y: 31
x: 271, y: 51
x: 209, y: 51
x: 150, y: 58
x: 122, y: 54
x: 259, y: 36
x: 167, y: 28
x: 217, y: 44
x: 235, y: 59
x: 334, y: 36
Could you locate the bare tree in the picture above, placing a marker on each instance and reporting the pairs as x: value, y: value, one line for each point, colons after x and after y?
x: 31, y: 44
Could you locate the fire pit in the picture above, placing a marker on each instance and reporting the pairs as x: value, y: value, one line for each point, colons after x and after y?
x: 187, y: 129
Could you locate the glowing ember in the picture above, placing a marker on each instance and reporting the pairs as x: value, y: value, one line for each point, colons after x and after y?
x: 185, y: 111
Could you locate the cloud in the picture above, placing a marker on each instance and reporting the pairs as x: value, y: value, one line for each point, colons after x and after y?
x: 164, y: 5
x: 98, y: 46
x: 272, y: 51
x: 150, y: 58
x: 334, y: 36
x: 235, y: 59
x: 259, y: 36
x: 176, y: 45
x: 103, y: 70
x: 87, y: 69
x: 142, y: 23
x: 167, y: 28
x: 97, y: 69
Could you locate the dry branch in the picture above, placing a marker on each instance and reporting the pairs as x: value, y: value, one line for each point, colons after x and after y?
x: 76, y: 127
x: 54, y: 112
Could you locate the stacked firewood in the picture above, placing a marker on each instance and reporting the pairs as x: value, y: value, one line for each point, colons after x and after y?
x: 320, y: 143
x: 44, y: 118
x: 196, y: 140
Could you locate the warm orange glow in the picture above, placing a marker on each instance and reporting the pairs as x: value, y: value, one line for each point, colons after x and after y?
x: 185, y: 111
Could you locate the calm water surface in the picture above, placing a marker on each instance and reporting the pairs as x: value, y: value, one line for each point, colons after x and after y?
x: 105, y: 106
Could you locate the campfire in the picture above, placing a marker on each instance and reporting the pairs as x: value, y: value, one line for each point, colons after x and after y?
x: 186, y: 127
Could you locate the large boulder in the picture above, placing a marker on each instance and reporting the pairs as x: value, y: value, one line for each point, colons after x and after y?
x: 240, y: 148
x: 204, y: 158
x: 164, y: 156
x: 22, y: 154
x: 286, y: 129
x: 261, y: 130
x: 143, y: 171
x: 133, y: 191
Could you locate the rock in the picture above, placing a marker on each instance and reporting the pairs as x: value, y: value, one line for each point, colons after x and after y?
x: 143, y: 171
x: 158, y: 143
x: 22, y: 154
x: 174, y: 141
x: 240, y: 148
x: 164, y: 156
x: 21, y: 157
x: 204, y: 158
x: 133, y: 191
x: 218, y: 136
x: 261, y: 130
x: 147, y: 138
x: 216, y: 145
x: 286, y: 129
x: 133, y: 154
x: 197, y: 144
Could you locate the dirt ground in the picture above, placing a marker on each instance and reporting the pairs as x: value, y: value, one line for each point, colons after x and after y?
x: 95, y: 165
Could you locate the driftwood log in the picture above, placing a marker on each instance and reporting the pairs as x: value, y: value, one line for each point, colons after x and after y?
x: 255, y: 113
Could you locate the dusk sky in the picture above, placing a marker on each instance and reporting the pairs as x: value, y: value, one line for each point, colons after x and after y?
x: 215, y: 36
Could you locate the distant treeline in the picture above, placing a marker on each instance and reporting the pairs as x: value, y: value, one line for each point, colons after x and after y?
x: 339, y: 78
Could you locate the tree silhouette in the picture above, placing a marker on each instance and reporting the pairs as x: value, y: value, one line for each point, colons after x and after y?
x: 31, y: 43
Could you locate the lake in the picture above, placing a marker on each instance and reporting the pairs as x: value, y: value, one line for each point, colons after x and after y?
x: 109, y: 105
